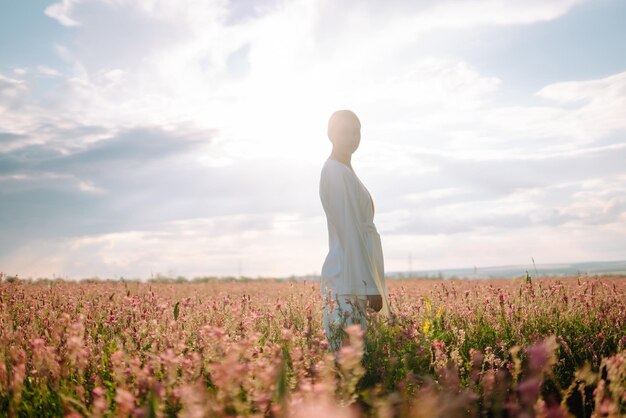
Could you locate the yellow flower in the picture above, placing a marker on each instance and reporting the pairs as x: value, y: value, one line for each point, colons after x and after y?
x: 427, y: 304
x: 426, y: 327
x: 440, y: 312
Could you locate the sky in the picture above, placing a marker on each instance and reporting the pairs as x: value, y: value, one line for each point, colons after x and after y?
x: 186, y: 138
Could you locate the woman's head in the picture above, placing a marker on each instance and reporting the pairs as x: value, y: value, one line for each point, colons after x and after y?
x: 344, y: 131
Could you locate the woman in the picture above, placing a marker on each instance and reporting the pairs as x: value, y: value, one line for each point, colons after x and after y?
x: 353, y: 276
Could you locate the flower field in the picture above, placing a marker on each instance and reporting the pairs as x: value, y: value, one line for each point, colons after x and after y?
x: 542, y: 347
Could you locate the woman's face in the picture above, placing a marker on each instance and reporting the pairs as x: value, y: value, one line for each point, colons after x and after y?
x: 350, y: 137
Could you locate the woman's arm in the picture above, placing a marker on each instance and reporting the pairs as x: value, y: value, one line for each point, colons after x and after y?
x: 375, y: 302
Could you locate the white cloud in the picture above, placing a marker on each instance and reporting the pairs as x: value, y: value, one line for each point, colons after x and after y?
x: 62, y: 11
x: 515, y: 247
x: 297, y: 66
x: 12, y: 183
x: 590, y: 109
x: 464, y: 14
x: 11, y: 87
x: 277, y: 245
x: 46, y: 71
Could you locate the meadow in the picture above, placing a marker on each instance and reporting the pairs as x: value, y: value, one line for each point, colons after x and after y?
x: 528, y: 347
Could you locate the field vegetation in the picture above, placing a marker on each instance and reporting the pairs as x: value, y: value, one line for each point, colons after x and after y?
x: 544, y: 347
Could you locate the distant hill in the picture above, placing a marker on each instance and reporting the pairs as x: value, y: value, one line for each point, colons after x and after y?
x: 592, y: 267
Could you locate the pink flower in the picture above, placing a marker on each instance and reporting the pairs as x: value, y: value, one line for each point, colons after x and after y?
x: 125, y: 402
x: 528, y: 390
x: 318, y: 408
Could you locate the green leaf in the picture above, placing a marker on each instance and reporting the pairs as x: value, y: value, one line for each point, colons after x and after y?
x: 176, y: 310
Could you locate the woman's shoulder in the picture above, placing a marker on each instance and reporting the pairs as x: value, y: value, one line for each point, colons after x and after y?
x: 333, y: 172
x: 335, y: 167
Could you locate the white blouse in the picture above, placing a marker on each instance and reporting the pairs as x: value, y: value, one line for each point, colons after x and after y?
x: 354, y: 264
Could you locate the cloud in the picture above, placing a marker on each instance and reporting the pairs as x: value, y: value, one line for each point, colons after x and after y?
x: 51, y: 192
x: 10, y: 89
x: 61, y: 12
x: 595, y: 108
x: 16, y: 183
x: 138, y: 144
x: 47, y: 71
x: 546, y: 244
x: 197, y: 61
x: 7, y: 140
x: 220, y: 245
x: 132, y: 185
x: 577, y: 190
x: 142, y: 145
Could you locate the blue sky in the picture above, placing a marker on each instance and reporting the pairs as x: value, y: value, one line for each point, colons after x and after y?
x: 186, y: 137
